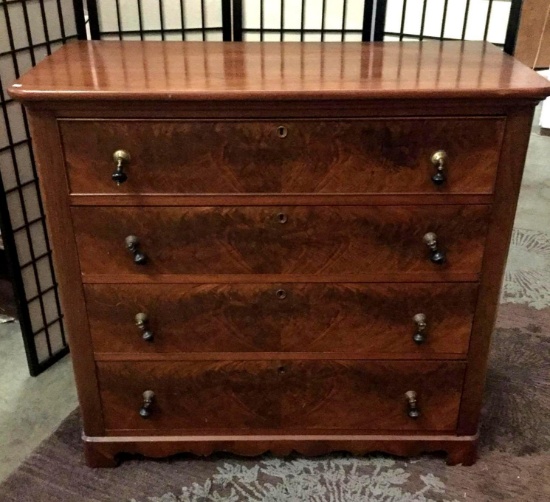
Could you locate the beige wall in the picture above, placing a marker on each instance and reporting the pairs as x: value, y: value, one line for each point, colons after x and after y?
x: 530, y: 33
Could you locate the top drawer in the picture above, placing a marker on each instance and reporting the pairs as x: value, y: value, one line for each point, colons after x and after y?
x: 286, y: 156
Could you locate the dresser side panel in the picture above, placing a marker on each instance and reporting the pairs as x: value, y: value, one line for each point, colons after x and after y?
x: 54, y: 190
x: 508, y: 182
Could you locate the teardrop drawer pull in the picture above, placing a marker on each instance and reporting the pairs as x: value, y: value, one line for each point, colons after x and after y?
x: 412, y: 404
x: 419, y: 336
x: 439, y: 160
x: 121, y: 158
x: 142, y: 322
x: 148, y: 398
x: 436, y: 255
x: 132, y: 244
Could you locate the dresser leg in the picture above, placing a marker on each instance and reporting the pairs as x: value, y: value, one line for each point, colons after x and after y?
x: 97, y: 456
x: 462, y: 453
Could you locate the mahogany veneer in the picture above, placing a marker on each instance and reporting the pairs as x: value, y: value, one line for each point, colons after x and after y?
x: 280, y: 289
x: 329, y: 156
x: 281, y: 240
x: 283, y: 317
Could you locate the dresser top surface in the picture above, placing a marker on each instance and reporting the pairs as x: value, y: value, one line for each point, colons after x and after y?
x: 167, y: 71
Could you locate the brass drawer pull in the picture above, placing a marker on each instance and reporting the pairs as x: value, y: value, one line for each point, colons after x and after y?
x: 439, y: 159
x: 142, y: 322
x: 132, y: 245
x: 437, y: 256
x: 121, y: 158
x: 419, y: 336
x: 148, y: 398
x: 412, y: 404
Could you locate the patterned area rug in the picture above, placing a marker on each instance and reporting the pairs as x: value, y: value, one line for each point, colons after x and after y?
x: 514, y: 459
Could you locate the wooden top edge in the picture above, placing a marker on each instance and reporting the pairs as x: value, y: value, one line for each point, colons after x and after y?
x: 236, y: 71
x: 51, y: 95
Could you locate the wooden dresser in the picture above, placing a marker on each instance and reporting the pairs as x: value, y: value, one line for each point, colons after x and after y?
x: 281, y: 246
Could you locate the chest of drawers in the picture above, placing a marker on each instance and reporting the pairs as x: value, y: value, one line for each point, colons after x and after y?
x: 280, y: 247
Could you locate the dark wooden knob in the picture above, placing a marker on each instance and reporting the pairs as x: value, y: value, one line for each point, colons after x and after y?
x: 142, y: 322
x: 148, y: 398
x: 121, y: 158
x: 436, y: 255
x: 412, y: 404
x: 132, y: 244
x: 420, y: 333
x: 439, y: 160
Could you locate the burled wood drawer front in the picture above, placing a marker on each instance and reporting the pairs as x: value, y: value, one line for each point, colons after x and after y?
x: 280, y: 240
x: 354, y: 318
x: 262, y: 395
x: 322, y: 156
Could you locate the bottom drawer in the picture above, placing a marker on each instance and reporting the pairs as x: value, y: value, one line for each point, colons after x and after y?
x: 214, y: 397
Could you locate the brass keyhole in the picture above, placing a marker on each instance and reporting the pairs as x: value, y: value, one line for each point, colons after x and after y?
x: 282, y: 217
x: 281, y: 294
x: 282, y: 131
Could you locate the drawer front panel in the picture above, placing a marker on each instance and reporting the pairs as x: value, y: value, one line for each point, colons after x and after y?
x: 262, y: 395
x: 330, y: 156
x: 353, y: 318
x: 280, y: 240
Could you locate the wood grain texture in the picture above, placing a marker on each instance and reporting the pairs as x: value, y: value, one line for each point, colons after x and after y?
x: 173, y: 71
x: 285, y: 395
x: 53, y: 183
x: 180, y: 200
x: 252, y: 240
x: 104, y: 451
x: 498, y: 242
x: 435, y: 276
x: 353, y: 318
x: 272, y: 109
x: 351, y: 179
x: 533, y: 37
x: 375, y: 156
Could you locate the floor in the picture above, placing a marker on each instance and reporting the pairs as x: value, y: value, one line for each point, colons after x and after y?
x: 534, y: 200
x: 32, y: 408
